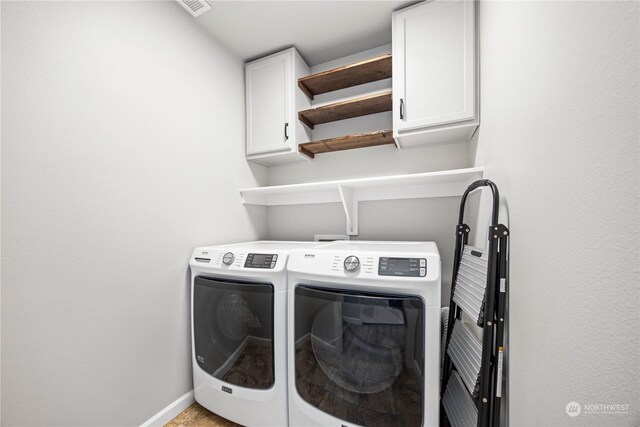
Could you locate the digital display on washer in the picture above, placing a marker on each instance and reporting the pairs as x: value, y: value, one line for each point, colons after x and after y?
x: 410, y: 267
x: 261, y: 261
x: 398, y: 264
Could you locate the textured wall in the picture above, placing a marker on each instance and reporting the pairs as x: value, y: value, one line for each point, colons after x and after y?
x: 560, y: 136
x: 122, y: 150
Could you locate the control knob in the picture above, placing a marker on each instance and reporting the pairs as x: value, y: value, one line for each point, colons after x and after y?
x: 228, y: 258
x: 351, y: 263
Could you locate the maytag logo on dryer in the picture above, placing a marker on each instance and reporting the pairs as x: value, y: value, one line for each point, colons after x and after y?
x: 227, y: 389
x: 309, y: 255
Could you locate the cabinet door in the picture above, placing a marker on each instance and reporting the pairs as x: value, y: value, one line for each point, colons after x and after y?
x: 268, y: 94
x: 434, y: 64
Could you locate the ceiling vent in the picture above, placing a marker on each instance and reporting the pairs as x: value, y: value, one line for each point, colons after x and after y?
x: 195, y: 7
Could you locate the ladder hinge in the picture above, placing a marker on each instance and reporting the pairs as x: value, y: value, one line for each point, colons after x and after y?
x: 498, y: 231
x: 462, y: 229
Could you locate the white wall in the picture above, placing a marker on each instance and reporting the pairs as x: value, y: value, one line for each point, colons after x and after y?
x: 122, y: 150
x: 560, y: 136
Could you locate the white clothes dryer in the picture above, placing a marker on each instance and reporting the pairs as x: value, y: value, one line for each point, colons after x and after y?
x: 364, y: 334
x: 238, y: 330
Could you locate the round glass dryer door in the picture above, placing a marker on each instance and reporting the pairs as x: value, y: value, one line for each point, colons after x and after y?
x: 233, y: 331
x: 359, y: 357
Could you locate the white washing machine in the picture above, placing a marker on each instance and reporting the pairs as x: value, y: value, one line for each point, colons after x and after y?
x: 364, y: 334
x: 238, y: 330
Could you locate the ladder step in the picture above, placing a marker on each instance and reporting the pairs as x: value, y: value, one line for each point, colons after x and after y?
x: 471, y: 283
x: 444, y: 326
x: 460, y: 408
x: 465, y: 351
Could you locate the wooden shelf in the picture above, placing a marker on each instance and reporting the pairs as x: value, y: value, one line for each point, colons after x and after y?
x: 347, y: 142
x: 370, y: 70
x: 362, y: 72
x: 354, y: 107
x: 350, y: 192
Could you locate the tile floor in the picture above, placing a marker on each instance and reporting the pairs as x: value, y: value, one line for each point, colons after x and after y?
x: 197, y: 416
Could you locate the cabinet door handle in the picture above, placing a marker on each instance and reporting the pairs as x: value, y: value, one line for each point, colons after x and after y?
x: 286, y: 131
x: 401, y: 109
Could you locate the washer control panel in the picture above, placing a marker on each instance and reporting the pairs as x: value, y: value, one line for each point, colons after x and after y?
x: 410, y: 267
x: 261, y: 261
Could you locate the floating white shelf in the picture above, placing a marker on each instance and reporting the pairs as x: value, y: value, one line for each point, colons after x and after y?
x: 350, y: 192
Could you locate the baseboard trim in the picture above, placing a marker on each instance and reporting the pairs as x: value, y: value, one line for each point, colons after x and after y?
x: 171, y: 411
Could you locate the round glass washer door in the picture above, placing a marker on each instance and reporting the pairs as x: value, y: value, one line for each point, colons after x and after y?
x: 359, y: 356
x: 233, y: 331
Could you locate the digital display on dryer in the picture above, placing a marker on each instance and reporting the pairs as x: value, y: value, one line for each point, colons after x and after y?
x: 411, y: 267
x: 261, y: 261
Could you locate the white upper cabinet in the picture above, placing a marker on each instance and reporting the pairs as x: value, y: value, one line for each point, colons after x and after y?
x: 268, y: 104
x: 273, y: 132
x: 435, y: 84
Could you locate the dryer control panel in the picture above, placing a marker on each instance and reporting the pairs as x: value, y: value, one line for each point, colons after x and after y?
x: 411, y: 267
x: 228, y: 259
x: 261, y: 260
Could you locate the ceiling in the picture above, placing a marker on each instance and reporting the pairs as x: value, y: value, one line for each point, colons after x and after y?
x: 321, y: 30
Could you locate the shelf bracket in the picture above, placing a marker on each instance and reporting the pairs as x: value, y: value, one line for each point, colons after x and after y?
x: 350, y: 205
